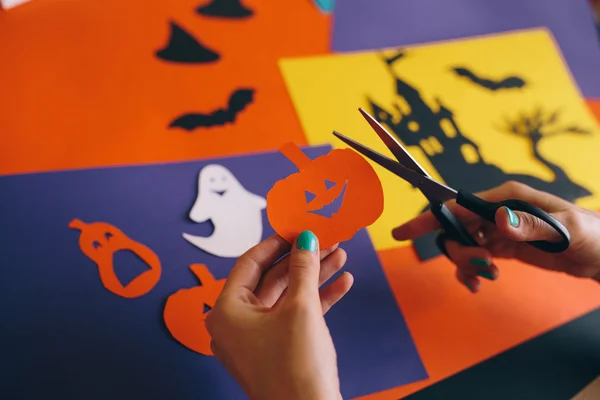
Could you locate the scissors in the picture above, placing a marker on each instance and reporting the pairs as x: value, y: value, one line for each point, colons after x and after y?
x: 437, y: 194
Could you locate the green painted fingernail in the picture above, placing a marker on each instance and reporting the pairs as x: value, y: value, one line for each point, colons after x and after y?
x: 486, y: 274
x: 480, y: 262
x: 307, y: 241
x: 512, y: 217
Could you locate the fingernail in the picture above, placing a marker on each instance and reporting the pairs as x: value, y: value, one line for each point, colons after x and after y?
x: 480, y: 262
x: 512, y: 217
x: 307, y: 241
x: 486, y: 274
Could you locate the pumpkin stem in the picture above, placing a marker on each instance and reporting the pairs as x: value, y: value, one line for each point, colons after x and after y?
x: 295, y: 155
x: 202, y: 273
x: 77, y: 224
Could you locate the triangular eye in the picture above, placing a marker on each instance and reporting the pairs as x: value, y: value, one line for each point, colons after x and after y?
x: 207, y: 308
x: 309, y: 196
x: 329, y: 184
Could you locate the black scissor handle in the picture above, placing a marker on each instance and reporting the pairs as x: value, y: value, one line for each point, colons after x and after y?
x: 487, y: 210
x: 453, y: 229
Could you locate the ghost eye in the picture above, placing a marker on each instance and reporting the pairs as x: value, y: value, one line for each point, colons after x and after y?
x: 224, y: 178
x: 309, y: 196
x: 108, y: 235
x: 212, y: 179
x: 95, y: 244
x: 329, y: 184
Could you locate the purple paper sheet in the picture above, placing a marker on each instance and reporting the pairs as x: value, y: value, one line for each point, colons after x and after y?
x: 65, y: 336
x: 372, y: 24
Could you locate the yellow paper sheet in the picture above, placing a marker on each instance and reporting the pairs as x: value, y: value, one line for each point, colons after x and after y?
x: 327, y: 91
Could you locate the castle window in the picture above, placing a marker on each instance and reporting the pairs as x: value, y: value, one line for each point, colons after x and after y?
x: 413, y: 126
x: 435, y: 145
x: 448, y: 128
x: 424, y: 143
x: 469, y: 153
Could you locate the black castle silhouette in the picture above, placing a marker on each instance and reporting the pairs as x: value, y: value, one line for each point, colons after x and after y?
x: 457, y: 158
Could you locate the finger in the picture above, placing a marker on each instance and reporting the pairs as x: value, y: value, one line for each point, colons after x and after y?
x: 335, y: 291
x: 276, y: 280
x: 472, y: 261
x: 427, y: 222
x: 522, y: 227
x: 470, y: 282
x: 250, y: 266
x: 304, y: 268
x: 516, y: 190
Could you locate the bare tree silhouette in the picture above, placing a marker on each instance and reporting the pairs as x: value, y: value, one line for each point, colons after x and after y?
x: 539, y: 125
x: 457, y: 158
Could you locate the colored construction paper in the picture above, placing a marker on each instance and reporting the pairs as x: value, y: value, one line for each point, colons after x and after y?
x: 234, y: 212
x: 100, y: 241
x: 130, y: 82
x: 373, y: 24
x: 334, y: 196
x: 439, y: 102
x: 57, y: 312
x: 455, y: 330
x: 554, y: 366
x: 185, y: 311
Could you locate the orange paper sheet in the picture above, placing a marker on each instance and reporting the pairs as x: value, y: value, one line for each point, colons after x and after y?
x: 454, y: 329
x: 333, y: 196
x: 82, y: 85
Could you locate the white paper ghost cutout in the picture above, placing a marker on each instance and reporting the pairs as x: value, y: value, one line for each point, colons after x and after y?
x: 235, y: 213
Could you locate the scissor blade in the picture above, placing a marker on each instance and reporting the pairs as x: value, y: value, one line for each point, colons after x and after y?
x: 395, y: 147
x: 434, y: 191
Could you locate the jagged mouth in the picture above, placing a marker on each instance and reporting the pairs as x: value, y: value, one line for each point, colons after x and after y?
x: 331, y: 209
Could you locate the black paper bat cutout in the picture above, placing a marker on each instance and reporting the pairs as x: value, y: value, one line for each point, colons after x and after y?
x: 238, y: 101
x: 510, y: 82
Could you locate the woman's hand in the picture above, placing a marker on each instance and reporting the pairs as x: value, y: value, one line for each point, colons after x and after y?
x: 506, y: 238
x: 267, y: 326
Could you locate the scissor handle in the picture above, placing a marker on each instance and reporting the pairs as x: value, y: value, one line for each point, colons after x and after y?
x: 487, y: 210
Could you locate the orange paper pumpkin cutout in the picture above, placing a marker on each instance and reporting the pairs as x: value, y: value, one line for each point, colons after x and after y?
x: 184, y: 312
x: 100, y: 240
x: 333, y: 196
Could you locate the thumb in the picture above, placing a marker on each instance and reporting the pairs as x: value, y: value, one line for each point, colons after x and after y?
x: 523, y: 227
x: 304, y: 266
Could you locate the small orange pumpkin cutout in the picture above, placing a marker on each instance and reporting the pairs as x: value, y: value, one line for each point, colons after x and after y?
x: 334, y: 196
x: 100, y: 240
x: 185, y: 311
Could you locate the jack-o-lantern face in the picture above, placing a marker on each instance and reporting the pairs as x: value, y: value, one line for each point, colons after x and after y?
x: 100, y: 240
x: 185, y: 311
x: 334, y: 196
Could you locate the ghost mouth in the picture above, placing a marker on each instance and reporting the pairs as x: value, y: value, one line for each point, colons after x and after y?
x: 220, y: 192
